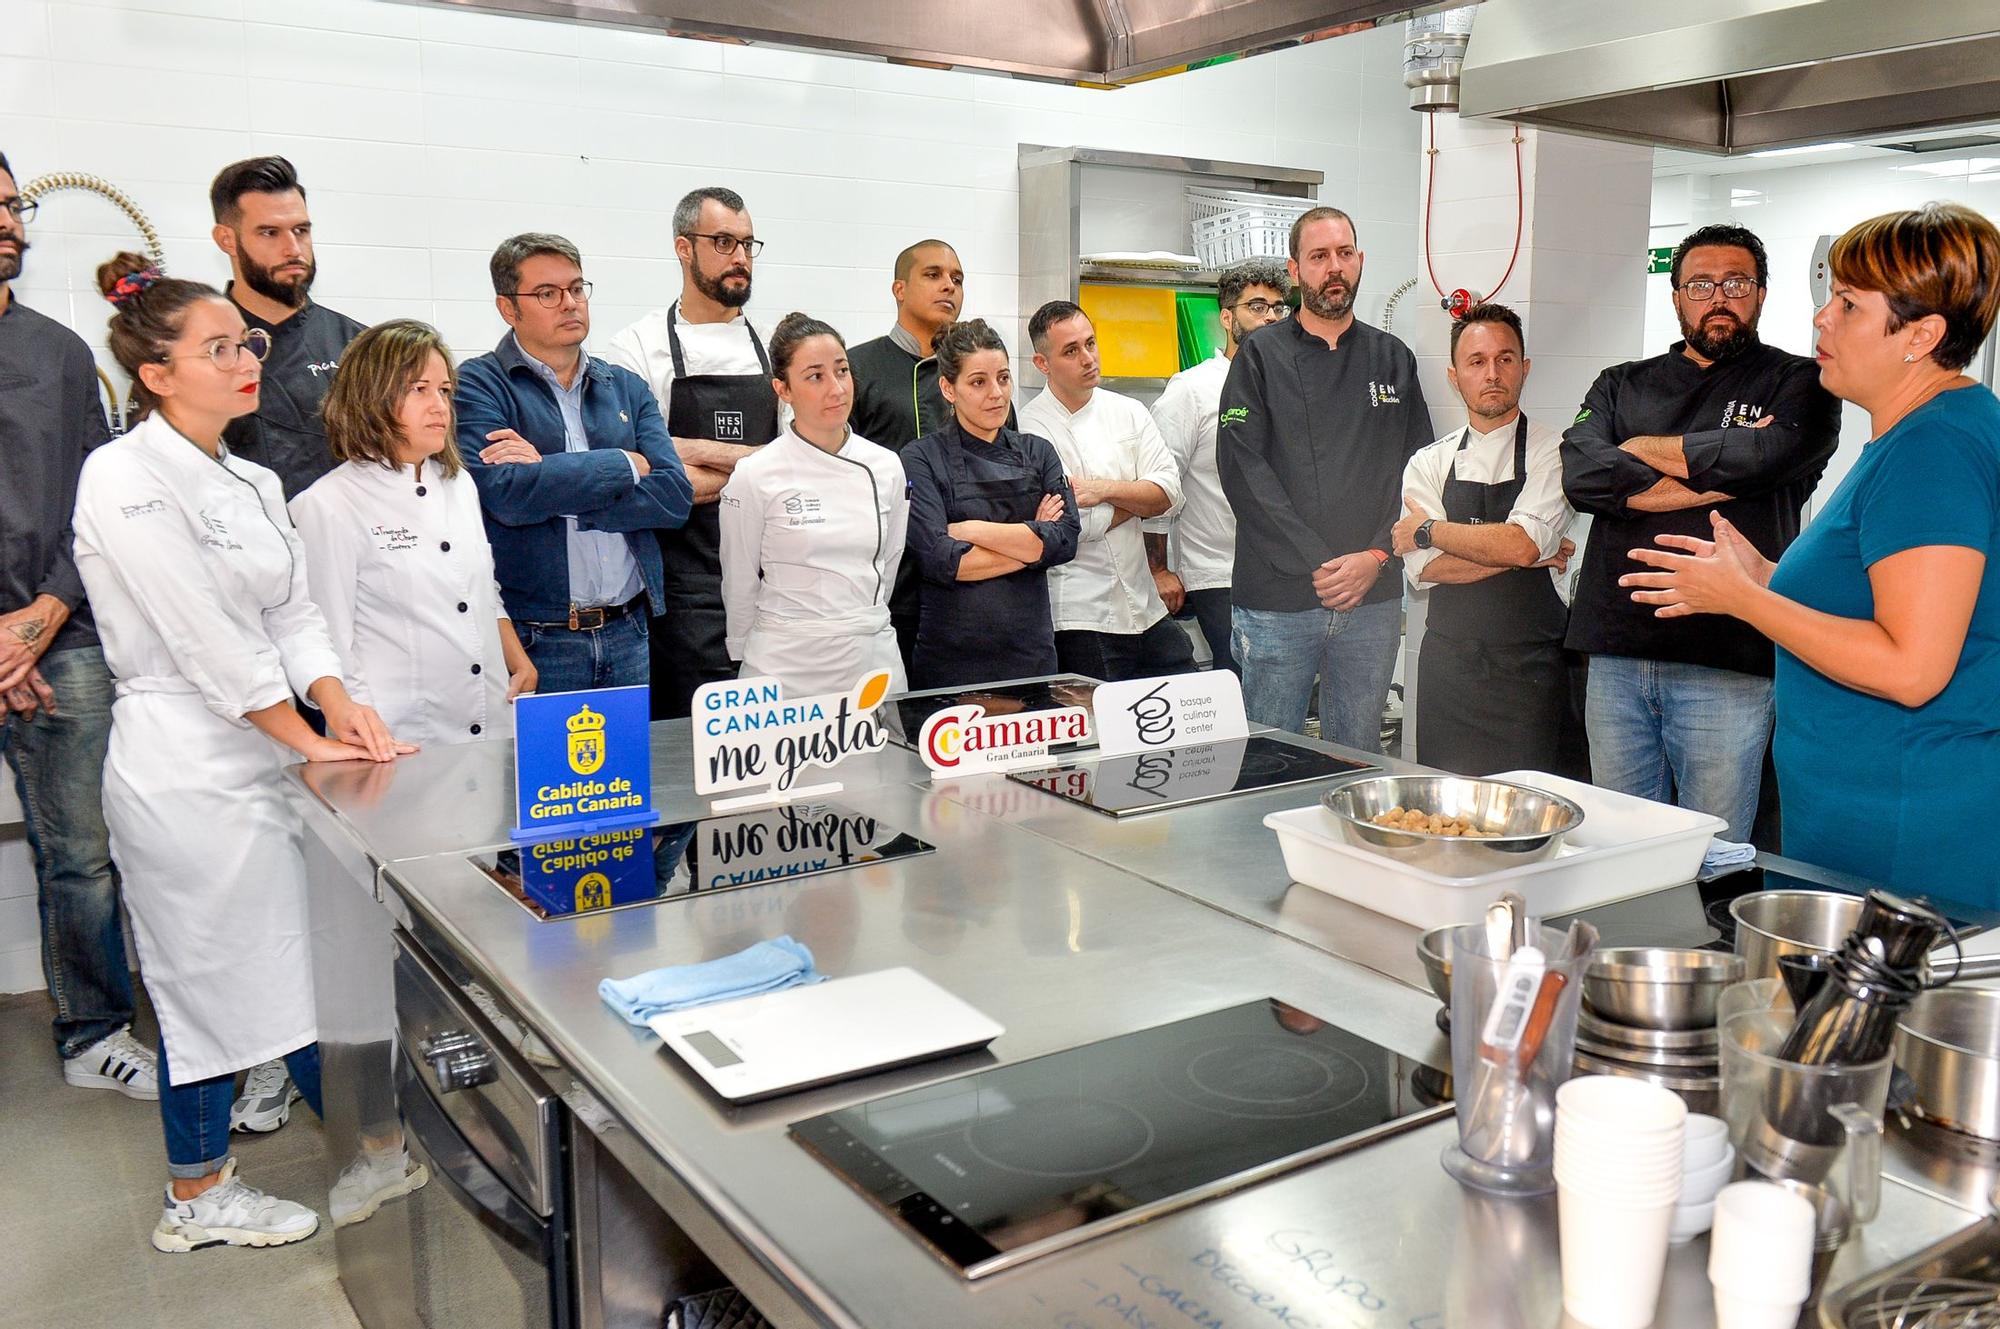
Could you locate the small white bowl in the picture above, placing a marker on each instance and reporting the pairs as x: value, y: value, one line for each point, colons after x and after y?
x: 1689, y: 1222
x: 1700, y: 1185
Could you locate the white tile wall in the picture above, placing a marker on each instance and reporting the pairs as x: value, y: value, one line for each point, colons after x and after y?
x: 427, y: 134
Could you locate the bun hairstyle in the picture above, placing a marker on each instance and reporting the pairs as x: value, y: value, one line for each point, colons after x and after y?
x: 956, y: 342
x: 792, y: 332
x: 152, y: 307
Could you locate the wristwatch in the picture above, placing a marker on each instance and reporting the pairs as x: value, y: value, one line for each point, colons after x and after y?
x: 1422, y: 537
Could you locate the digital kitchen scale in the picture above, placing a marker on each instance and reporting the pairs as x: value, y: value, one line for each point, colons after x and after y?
x: 994, y: 1168
x: 1176, y: 777
x: 780, y: 1042
x: 907, y: 714
x: 640, y: 866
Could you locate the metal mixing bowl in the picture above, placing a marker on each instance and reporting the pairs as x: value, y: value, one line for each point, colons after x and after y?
x: 1659, y: 987
x: 1524, y: 824
x: 1434, y: 949
x: 1949, y: 1042
x: 1702, y: 1093
x: 1774, y: 923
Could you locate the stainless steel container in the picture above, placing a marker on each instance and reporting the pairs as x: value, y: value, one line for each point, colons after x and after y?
x: 1774, y: 923
x: 1659, y: 987
x: 1949, y: 1042
x: 1521, y: 824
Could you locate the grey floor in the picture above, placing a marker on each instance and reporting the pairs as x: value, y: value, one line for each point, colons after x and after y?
x: 84, y: 1170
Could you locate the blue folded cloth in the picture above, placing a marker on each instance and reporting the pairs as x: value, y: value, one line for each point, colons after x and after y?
x: 1727, y: 854
x: 765, y: 967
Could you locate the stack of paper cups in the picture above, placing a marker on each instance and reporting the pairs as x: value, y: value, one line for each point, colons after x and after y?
x: 1760, y: 1256
x: 1618, y: 1177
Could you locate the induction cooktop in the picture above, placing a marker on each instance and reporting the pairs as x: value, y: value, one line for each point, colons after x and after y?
x: 640, y: 866
x: 1175, y: 777
x: 907, y: 714
x: 997, y: 1167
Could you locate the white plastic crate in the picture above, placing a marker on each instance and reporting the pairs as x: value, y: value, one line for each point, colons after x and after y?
x: 1229, y: 225
x: 1626, y: 846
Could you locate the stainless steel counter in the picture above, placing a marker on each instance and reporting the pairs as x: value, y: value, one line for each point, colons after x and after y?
x: 1053, y: 920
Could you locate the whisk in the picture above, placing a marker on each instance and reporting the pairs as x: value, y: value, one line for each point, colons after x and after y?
x: 1929, y: 1303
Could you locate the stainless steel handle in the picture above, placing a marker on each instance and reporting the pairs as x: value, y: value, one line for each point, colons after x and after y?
x: 1972, y: 968
x: 458, y: 1059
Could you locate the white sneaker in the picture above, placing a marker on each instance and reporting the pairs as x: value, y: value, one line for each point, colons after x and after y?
x: 372, y: 1180
x: 116, y: 1061
x: 231, y: 1213
x: 266, y: 1101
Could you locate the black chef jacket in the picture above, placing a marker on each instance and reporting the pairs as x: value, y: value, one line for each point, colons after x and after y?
x: 984, y: 631
x: 1769, y: 474
x: 50, y: 416
x: 1311, y: 443
x: 286, y: 433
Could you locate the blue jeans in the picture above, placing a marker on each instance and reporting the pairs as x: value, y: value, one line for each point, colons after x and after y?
x: 1352, y: 653
x: 616, y: 655
x: 58, y: 762
x: 1680, y: 733
x: 1210, y: 609
x: 196, y: 1116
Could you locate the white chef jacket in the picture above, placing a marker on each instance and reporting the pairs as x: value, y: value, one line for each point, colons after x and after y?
x: 1202, y: 535
x: 1542, y: 510
x: 399, y: 565
x: 198, y: 583
x: 810, y: 545
x: 709, y: 348
x: 1108, y: 586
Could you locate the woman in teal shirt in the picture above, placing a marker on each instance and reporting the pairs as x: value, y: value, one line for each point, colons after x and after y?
x: 1886, y: 619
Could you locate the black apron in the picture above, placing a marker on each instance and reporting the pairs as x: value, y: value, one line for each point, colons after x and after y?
x: 688, y: 648
x: 984, y: 631
x: 1493, y: 688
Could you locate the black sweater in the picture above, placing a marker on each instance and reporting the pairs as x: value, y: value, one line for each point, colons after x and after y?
x: 1769, y: 473
x: 1311, y: 444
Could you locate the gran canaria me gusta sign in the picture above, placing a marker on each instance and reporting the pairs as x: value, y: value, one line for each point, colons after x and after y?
x: 749, y: 735
x: 583, y: 763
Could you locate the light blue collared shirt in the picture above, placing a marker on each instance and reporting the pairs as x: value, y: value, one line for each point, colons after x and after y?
x: 602, y: 570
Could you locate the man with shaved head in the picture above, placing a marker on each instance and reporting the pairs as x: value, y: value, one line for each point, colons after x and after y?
x: 896, y: 395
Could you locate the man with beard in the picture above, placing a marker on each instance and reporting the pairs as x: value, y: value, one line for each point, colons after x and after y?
x: 1484, y: 536
x: 1679, y: 709
x: 1193, y: 574
x: 1319, y: 414
x: 55, y: 690
x: 709, y: 372
x: 262, y: 224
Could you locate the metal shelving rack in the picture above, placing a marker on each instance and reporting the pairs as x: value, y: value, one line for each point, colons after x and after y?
x: 1052, y: 218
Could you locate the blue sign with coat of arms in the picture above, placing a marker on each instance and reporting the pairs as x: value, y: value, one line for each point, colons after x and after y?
x: 583, y: 763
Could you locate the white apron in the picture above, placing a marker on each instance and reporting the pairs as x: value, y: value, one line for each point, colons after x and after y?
x: 198, y: 584
x: 810, y: 545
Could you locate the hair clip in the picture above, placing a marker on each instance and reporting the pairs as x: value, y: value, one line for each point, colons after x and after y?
x: 132, y: 285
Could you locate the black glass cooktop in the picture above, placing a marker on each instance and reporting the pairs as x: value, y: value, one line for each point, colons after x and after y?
x: 594, y: 873
x: 908, y: 714
x: 1174, y: 777
x: 1000, y: 1166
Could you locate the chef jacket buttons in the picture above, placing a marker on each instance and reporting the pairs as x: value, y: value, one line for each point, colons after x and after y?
x: 461, y: 606
x: 445, y: 545
x: 475, y: 669
x: 475, y: 729
x: 421, y: 491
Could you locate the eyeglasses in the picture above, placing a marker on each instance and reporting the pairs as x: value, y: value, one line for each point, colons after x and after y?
x: 1733, y: 288
x: 23, y: 209
x: 727, y: 244
x: 550, y: 297
x: 1259, y: 308
x: 227, y: 355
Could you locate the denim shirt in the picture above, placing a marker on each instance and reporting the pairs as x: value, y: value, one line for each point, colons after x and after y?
x: 602, y: 570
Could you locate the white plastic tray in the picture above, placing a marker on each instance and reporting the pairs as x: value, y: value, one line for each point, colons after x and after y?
x: 1626, y: 846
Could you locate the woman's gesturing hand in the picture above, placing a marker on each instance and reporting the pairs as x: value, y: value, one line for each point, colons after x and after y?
x: 1704, y: 577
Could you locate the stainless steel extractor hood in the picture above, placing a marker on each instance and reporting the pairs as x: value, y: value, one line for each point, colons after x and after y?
x: 1732, y: 76
x: 1073, y: 41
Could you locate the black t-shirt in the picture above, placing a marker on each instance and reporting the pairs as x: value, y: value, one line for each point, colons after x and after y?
x: 1769, y: 474
x: 1311, y: 443
x: 286, y: 433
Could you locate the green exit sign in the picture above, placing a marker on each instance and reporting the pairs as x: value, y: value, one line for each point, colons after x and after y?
x: 1660, y: 259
